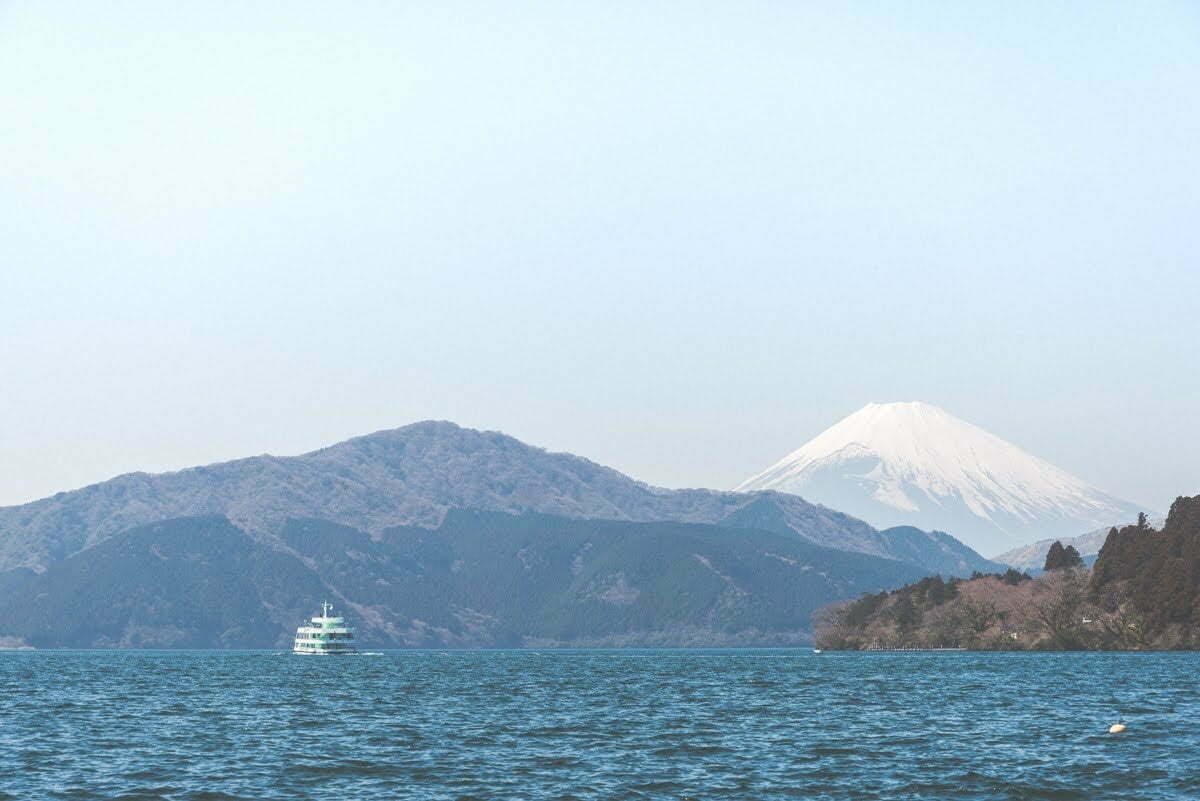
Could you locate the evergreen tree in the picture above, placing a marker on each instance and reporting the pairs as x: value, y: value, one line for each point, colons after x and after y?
x: 937, y: 591
x: 906, y: 615
x: 1055, y: 557
x: 1012, y: 577
x: 1060, y: 558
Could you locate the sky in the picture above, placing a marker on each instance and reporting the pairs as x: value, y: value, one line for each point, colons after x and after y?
x: 680, y: 239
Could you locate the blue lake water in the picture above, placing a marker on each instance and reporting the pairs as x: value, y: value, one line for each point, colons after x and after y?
x: 598, y: 725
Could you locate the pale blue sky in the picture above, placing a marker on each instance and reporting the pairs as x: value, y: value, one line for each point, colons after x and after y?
x: 677, y: 238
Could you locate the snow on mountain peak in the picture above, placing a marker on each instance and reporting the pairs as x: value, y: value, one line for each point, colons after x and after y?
x: 914, y: 463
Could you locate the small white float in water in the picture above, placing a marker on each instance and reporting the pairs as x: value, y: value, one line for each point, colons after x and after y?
x: 1116, y: 728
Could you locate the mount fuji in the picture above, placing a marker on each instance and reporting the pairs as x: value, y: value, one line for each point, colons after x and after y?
x: 915, y: 464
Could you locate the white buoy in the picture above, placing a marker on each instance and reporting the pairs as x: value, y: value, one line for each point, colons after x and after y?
x: 1116, y: 728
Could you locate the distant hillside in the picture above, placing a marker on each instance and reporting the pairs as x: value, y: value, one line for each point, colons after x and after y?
x: 1033, y: 556
x: 480, y: 579
x: 1142, y: 593
x: 937, y: 550
x: 412, y: 476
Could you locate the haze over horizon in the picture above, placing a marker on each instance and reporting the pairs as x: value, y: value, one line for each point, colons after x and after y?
x: 677, y: 245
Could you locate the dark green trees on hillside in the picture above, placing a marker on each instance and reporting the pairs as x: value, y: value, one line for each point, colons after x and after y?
x: 1060, y: 558
x: 1142, y: 593
x: 482, y: 579
x: 1156, y: 576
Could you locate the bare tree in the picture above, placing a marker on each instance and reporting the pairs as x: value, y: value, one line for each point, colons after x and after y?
x: 1121, y: 621
x: 980, y: 614
x: 1059, y: 603
x: 944, y: 626
x: 832, y: 630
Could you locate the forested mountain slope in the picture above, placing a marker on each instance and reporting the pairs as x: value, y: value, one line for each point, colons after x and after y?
x: 480, y: 579
x: 1142, y: 593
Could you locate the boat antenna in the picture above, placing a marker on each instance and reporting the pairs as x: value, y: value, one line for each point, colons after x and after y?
x: 325, y: 607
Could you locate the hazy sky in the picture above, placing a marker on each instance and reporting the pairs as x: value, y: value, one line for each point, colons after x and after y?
x: 677, y: 238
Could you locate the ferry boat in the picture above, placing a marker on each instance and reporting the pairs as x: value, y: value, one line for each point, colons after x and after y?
x: 325, y: 634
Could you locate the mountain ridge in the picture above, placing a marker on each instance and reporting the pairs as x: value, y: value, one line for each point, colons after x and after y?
x: 410, y: 475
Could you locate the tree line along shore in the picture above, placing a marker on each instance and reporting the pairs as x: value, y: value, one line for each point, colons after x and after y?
x: 1142, y: 593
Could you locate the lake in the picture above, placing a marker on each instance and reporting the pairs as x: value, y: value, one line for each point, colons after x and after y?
x: 752, y: 724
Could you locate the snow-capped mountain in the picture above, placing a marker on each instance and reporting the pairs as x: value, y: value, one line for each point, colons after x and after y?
x: 912, y: 463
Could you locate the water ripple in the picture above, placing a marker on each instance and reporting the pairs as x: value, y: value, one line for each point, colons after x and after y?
x: 210, y: 726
